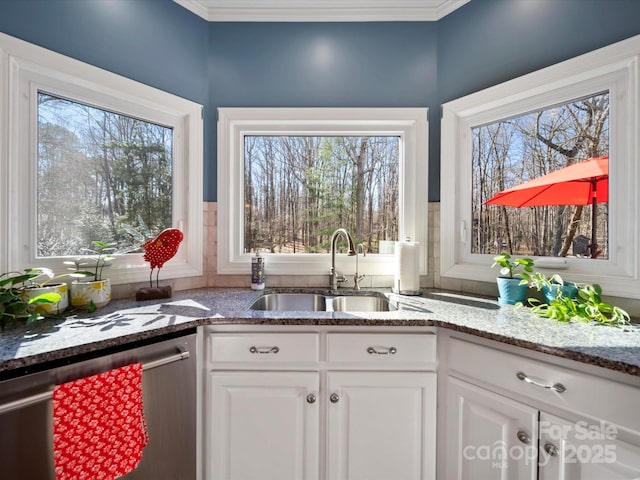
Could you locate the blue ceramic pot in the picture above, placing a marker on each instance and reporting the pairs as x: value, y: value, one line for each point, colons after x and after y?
x: 569, y: 290
x: 510, y: 290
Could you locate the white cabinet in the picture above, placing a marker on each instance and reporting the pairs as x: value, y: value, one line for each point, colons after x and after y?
x: 547, y: 421
x: 491, y: 437
x: 585, y: 451
x: 381, y: 425
x: 263, y: 425
x: 262, y: 412
x: 320, y: 405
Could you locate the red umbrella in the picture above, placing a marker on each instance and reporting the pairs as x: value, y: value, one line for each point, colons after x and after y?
x: 583, y: 183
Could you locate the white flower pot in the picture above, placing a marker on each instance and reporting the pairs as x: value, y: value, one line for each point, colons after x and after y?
x: 44, y: 308
x: 83, y: 293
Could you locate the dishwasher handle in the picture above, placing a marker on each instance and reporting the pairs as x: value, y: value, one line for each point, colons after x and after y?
x: 182, y: 354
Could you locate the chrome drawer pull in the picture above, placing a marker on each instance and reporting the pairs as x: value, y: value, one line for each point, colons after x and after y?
x: 523, y: 436
x: 264, y: 350
x: 382, y: 351
x: 335, y: 398
x: 556, y: 387
x: 551, y: 449
x: 311, y: 398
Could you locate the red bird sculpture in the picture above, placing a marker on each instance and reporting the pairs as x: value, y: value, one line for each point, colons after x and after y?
x: 159, y: 250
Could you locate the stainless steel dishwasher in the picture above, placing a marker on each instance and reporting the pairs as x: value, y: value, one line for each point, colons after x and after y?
x: 169, y: 397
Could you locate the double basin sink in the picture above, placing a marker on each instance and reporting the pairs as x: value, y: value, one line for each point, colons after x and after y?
x: 312, y: 302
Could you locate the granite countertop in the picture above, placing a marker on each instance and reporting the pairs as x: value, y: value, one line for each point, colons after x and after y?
x: 125, y: 322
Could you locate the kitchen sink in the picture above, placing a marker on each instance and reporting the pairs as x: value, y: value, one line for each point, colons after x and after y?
x: 361, y: 303
x: 311, y: 302
x: 300, y: 302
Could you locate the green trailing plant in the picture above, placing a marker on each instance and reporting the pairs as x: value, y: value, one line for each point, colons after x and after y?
x: 591, y: 307
x: 12, y: 304
x: 587, y: 306
x: 539, y: 280
x: 93, y: 264
x: 509, y: 267
x: 552, y: 286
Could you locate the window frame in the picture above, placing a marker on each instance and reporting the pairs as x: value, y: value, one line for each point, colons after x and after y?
x: 614, y: 68
x: 410, y: 124
x: 26, y: 69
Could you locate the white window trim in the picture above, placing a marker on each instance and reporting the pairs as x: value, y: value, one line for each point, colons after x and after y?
x: 26, y: 68
x: 234, y: 123
x: 614, y: 68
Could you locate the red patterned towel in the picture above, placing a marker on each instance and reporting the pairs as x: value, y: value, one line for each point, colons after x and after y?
x: 98, y: 425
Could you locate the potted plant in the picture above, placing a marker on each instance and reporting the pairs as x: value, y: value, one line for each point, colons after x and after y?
x: 551, y: 287
x: 12, y: 303
x: 586, y: 306
x: 511, y: 287
x: 95, y: 292
x: 35, y: 288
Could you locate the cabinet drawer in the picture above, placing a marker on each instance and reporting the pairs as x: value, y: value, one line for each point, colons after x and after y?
x: 573, y: 390
x: 382, y: 349
x: 297, y: 349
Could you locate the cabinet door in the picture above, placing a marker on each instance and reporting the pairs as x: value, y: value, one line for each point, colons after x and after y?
x: 262, y: 425
x: 585, y: 450
x: 381, y: 425
x: 489, y: 436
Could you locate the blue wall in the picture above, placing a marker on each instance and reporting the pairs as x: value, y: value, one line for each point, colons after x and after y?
x: 490, y: 41
x: 487, y: 42
x: 404, y: 64
x: 156, y: 42
x: 322, y: 65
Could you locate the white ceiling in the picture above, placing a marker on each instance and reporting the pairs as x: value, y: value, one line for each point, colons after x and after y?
x: 321, y: 10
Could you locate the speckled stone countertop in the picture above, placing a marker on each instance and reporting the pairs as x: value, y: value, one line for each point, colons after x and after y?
x: 126, y: 322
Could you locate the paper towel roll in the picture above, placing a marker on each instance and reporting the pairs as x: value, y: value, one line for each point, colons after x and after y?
x: 386, y: 246
x: 407, y: 274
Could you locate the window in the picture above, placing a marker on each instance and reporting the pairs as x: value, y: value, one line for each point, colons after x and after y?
x: 526, y: 128
x: 289, y: 177
x: 557, y: 219
x: 298, y: 187
x: 122, y: 178
x: 94, y: 156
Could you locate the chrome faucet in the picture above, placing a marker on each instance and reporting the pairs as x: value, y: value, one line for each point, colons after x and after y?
x: 334, y: 277
x: 357, y: 277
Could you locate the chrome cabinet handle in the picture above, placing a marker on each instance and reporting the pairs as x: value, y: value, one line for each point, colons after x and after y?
x: 551, y: 449
x: 556, y: 387
x: 335, y: 398
x: 523, y: 436
x: 263, y: 350
x: 311, y: 398
x: 382, y: 350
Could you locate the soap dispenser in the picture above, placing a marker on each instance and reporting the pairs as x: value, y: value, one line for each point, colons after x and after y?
x: 257, y: 272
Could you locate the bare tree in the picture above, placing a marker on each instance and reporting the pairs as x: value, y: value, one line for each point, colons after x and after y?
x: 516, y: 150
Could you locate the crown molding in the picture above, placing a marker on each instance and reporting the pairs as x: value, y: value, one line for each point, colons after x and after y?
x: 321, y: 10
